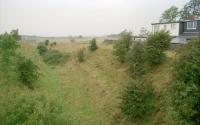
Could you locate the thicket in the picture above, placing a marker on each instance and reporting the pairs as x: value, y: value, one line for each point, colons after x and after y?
x: 184, y: 91
x: 12, y: 64
x: 93, y: 45
x: 138, y: 100
x: 31, y: 110
x: 51, y: 56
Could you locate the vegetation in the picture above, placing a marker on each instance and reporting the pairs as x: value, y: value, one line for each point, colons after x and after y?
x: 55, y: 57
x: 136, y: 59
x: 42, y: 49
x: 93, y: 45
x: 157, y: 43
x: 185, y: 87
x: 28, y: 72
x: 170, y: 15
x: 31, y: 110
x: 46, y: 42
x: 137, y: 100
x: 80, y: 55
x: 122, y: 46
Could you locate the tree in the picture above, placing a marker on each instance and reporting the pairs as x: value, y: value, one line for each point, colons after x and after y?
x: 136, y: 59
x: 8, y: 46
x: 184, y: 91
x: 15, y: 34
x: 157, y: 43
x: 122, y: 46
x: 190, y: 9
x: 28, y: 71
x: 138, y: 100
x: 93, y: 45
x: 46, y: 42
x: 170, y: 14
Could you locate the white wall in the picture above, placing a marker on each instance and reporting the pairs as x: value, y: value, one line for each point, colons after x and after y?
x: 173, y: 28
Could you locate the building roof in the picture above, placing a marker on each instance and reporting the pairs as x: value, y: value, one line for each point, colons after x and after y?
x: 174, y: 22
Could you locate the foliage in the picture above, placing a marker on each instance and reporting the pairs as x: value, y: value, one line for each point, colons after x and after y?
x: 54, y: 57
x: 8, y: 55
x: 136, y: 59
x: 122, y: 46
x: 46, y: 42
x: 15, y: 34
x: 93, y: 45
x: 190, y: 8
x: 184, y: 90
x: 137, y: 100
x: 53, y: 44
x: 170, y: 14
x: 27, y: 71
x: 157, y: 43
x: 42, y: 49
x: 80, y: 55
x: 31, y: 110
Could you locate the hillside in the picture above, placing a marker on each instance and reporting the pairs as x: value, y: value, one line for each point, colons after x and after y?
x: 90, y: 91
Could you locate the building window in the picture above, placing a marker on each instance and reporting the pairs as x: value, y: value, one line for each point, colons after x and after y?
x: 192, y: 25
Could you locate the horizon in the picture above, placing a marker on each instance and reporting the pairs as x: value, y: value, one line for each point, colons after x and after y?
x: 49, y: 18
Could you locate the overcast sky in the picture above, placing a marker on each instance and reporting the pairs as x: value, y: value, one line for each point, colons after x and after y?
x: 80, y: 17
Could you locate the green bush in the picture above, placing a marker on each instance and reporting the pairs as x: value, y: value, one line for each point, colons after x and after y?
x: 93, y: 45
x: 137, y: 100
x: 184, y: 91
x: 55, y: 57
x: 46, y: 42
x: 157, y: 43
x: 122, y: 46
x: 80, y: 55
x: 42, y: 49
x: 27, y: 71
x: 136, y: 59
x: 31, y: 110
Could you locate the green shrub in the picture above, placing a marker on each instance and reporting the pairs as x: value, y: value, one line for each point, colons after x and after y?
x: 27, y: 71
x: 42, y: 49
x: 93, y: 45
x: 122, y: 46
x: 31, y: 110
x: 80, y: 55
x: 8, y: 54
x: 46, y: 42
x: 184, y: 91
x: 157, y: 43
x: 55, y: 57
x: 137, y: 100
x: 136, y: 59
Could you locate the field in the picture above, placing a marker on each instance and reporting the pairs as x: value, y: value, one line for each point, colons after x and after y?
x: 90, y: 91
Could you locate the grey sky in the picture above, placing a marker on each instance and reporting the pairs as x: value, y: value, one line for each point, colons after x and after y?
x: 85, y: 17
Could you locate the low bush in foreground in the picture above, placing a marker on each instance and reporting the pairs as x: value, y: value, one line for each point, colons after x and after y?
x: 27, y: 71
x: 184, y: 91
x: 137, y: 100
x: 31, y: 110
